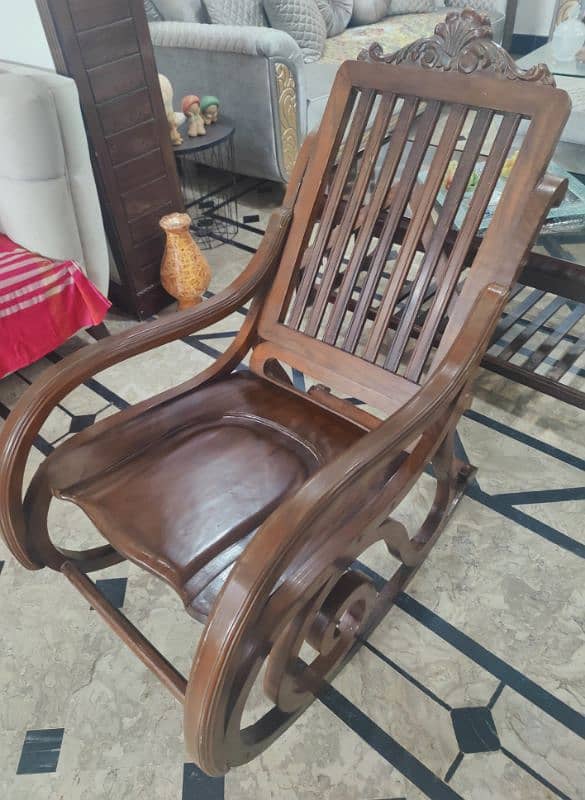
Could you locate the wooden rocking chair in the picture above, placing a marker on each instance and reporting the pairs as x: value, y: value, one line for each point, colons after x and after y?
x: 253, y: 500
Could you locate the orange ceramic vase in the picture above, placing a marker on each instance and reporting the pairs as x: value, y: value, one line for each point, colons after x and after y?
x: 184, y: 272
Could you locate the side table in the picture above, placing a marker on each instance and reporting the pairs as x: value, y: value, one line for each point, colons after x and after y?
x: 549, y: 353
x: 205, y: 167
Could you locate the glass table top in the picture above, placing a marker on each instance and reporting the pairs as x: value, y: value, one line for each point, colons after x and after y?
x: 563, y: 235
x: 544, y: 55
x: 563, y: 242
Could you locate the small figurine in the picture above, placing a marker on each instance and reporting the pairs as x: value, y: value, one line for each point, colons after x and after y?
x: 209, y: 109
x: 174, y: 118
x: 192, y: 109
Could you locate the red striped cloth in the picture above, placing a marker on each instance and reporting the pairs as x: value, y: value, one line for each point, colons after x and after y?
x: 42, y: 304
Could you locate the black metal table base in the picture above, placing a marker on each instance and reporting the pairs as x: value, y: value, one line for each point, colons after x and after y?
x: 205, y: 167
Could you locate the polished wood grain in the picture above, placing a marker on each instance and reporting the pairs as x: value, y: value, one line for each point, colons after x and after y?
x: 105, y: 46
x: 254, y: 500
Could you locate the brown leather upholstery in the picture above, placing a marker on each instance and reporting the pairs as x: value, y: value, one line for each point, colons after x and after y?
x: 204, y: 472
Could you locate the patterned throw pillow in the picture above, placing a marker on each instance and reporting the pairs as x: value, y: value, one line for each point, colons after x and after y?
x: 337, y: 14
x: 303, y: 21
x: 236, y: 12
x: 366, y: 12
x: 410, y: 6
x: 181, y: 10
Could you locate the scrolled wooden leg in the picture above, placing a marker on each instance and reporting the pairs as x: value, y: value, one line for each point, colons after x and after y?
x: 453, y: 476
x: 330, y: 624
x: 331, y: 619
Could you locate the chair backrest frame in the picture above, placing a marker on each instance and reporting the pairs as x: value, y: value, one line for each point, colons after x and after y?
x: 310, y: 268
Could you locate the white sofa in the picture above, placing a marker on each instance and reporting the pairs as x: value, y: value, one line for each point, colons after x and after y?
x: 48, y: 197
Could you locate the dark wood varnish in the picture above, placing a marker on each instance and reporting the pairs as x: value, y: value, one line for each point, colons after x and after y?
x: 254, y: 500
x: 106, y: 48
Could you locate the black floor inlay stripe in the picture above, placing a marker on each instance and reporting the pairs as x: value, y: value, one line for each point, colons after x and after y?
x: 97, y: 387
x: 41, y: 444
x: 79, y: 422
x: 420, y: 686
x: 526, y: 439
x: 207, y: 349
x: 512, y: 677
x: 454, y: 767
x: 114, y: 590
x: 552, y: 535
x: 525, y: 498
x: 199, y: 786
x: 40, y: 751
x: 535, y: 775
x: 243, y: 226
x: 386, y: 746
x: 475, y: 730
x: 217, y: 335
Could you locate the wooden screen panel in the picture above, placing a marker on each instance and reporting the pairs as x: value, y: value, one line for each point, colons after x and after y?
x: 127, y: 74
x: 106, y: 48
x: 376, y: 264
x: 104, y: 12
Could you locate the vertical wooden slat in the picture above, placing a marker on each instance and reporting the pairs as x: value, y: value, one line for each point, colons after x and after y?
x: 441, y: 158
x: 399, y: 202
x: 387, y: 173
x: 434, y: 251
x: 350, y: 212
x: 348, y: 153
x: 477, y: 207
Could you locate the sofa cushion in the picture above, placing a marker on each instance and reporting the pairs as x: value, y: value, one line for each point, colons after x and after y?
x: 303, y: 21
x: 179, y: 10
x: 236, y: 12
x: 319, y: 79
x: 366, y: 12
x: 336, y: 13
x: 478, y: 5
x: 392, y: 33
x: 410, y: 6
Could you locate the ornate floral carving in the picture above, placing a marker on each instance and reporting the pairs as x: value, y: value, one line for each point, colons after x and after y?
x: 462, y: 43
x: 287, y: 112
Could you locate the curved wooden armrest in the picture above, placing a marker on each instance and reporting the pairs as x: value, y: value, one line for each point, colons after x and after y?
x: 25, y: 421
x: 33, y: 408
x: 320, y: 528
x: 553, y: 188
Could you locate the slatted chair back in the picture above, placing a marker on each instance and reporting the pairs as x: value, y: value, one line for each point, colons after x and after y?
x: 379, y: 228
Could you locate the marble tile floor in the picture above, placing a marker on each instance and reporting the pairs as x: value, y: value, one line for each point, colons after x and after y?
x: 473, y: 687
